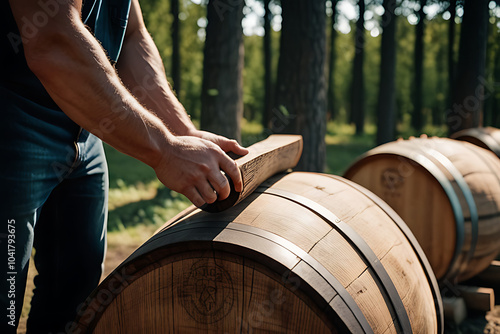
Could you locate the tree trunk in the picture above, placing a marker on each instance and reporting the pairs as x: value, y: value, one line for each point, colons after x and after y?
x: 468, y: 97
x: 176, y: 64
x: 451, y: 50
x: 358, y: 85
x: 386, y: 106
x: 222, y: 91
x: 301, y: 85
x: 417, y: 116
x: 496, y: 97
x: 332, y: 58
x: 268, y: 89
x: 489, y: 73
x: 439, y: 106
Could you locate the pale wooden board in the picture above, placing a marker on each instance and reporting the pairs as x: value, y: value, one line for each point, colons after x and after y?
x: 275, y: 154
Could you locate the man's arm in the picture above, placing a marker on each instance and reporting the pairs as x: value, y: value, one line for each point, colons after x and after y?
x: 75, y: 71
x: 141, y: 69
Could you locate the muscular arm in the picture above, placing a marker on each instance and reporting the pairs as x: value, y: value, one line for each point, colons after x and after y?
x: 141, y: 69
x: 75, y: 71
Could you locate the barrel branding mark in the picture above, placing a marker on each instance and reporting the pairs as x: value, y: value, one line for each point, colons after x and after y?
x: 391, y: 179
x: 207, y: 292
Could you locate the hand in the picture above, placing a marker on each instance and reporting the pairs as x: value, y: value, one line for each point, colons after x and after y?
x: 227, y: 145
x: 192, y: 166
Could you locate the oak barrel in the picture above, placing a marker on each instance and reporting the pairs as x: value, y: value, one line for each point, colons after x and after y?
x: 305, y: 253
x: 485, y: 137
x: 447, y: 192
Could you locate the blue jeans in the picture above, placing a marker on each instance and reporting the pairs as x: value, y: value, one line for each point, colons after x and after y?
x: 53, y: 197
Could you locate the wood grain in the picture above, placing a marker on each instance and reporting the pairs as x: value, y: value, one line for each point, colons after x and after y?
x: 275, y: 154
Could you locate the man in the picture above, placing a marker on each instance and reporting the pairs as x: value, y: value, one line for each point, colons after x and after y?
x: 59, y: 93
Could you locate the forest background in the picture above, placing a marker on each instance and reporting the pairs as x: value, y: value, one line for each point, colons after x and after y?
x: 330, y: 68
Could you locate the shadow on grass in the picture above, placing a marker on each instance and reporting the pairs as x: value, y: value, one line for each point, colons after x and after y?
x: 125, y: 169
x: 157, y: 210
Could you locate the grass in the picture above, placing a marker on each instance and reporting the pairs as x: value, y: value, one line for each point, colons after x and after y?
x: 343, y: 146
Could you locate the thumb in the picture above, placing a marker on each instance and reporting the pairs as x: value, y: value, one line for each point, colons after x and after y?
x: 228, y: 145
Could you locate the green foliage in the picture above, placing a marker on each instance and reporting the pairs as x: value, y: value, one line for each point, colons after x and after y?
x: 343, y: 146
x: 154, y: 211
x: 126, y: 168
x: 253, y: 78
x: 435, y: 96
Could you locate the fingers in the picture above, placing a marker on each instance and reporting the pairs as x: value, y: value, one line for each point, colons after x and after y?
x: 220, y: 184
x: 194, y: 196
x: 228, y: 145
x: 230, y: 167
x: 238, y: 149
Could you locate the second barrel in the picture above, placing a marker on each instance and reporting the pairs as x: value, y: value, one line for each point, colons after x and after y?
x: 448, y: 193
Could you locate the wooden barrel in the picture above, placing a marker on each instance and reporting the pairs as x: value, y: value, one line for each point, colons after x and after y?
x: 488, y: 138
x: 447, y: 192
x: 305, y: 253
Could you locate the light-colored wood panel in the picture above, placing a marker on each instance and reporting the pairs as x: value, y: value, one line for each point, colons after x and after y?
x: 275, y: 154
x: 407, y: 276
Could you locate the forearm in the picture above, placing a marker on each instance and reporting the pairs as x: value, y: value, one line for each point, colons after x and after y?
x: 75, y: 71
x: 141, y: 69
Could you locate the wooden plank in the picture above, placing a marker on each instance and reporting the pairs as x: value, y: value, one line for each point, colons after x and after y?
x: 275, y: 154
x: 477, y: 298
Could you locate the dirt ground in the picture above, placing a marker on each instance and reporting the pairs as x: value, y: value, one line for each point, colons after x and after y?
x: 475, y: 323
